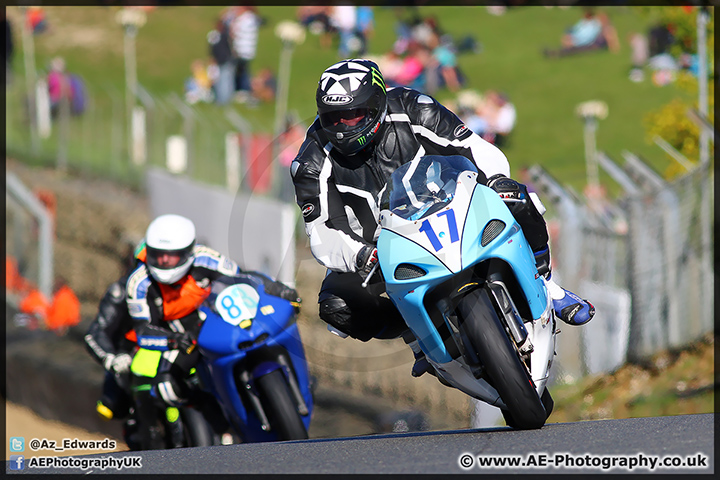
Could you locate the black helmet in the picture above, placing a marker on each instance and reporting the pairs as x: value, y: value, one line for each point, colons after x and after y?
x: 352, y: 102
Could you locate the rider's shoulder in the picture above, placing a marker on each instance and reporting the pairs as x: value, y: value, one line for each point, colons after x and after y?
x: 404, y: 98
x: 312, y: 153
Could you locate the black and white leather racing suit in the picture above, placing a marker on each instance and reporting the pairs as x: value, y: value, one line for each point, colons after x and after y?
x: 339, y: 200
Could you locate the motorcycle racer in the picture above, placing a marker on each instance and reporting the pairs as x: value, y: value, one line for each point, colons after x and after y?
x: 173, y: 278
x: 362, y: 133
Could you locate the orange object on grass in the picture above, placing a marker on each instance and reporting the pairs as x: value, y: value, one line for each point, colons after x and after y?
x: 36, y: 304
x: 65, y: 309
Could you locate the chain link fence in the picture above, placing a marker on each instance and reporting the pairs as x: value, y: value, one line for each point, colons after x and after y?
x: 644, y: 260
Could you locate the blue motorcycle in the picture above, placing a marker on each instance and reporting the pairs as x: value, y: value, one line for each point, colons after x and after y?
x: 253, y: 362
x: 457, y: 266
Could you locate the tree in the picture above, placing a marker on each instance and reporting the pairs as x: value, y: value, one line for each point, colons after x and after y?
x: 670, y: 122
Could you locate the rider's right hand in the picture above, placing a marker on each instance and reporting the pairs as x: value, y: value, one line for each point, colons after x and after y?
x: 184, y: 342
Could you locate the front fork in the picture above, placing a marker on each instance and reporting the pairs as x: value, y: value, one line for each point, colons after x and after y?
x: 255, y: 399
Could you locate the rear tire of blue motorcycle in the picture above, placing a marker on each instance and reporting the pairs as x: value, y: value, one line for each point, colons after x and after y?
x: 280, y: 407
x: 502, y: 362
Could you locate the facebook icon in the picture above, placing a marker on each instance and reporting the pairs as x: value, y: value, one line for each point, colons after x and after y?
x: 17, y: 462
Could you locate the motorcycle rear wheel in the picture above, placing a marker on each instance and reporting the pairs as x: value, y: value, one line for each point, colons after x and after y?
x: 280, y: 407
x: 501, y: 360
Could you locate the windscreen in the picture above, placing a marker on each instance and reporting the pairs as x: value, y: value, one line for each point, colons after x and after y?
x: 422, y: 187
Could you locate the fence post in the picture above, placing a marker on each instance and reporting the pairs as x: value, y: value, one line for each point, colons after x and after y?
x: 188, y: 129
x: 46, y: 235
x: 245, y: 129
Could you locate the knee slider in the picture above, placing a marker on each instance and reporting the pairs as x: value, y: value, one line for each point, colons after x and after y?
x: 335, y: 311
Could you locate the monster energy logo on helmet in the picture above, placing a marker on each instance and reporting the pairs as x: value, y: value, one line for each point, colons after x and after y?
x: 362, y: 140
x: 377, y: 78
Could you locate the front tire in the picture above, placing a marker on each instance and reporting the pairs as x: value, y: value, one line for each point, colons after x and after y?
x: 280, y: 406
x: 198, y: 432
x: 501, y: 361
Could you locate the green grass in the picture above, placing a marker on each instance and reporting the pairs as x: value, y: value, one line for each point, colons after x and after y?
x: 672, y: 383
x: 544, y: 91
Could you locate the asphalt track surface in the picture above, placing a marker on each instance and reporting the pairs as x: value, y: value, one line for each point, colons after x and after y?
x: 552, y: 449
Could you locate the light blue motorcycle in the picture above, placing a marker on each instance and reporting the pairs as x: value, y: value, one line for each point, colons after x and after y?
x: 457, y: 266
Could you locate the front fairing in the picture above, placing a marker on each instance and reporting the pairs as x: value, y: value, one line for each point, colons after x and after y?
x: 444, y: 241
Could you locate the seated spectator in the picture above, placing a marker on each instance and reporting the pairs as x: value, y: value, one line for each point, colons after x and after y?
x: 264, y: 85
x: 413, y: 66
x: 493, y: 118
x: 445, y: 64
x: 198, y: 88
x: 317, y: 20
x: 592, y: 32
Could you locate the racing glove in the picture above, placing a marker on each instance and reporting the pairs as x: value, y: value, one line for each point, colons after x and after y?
x: 366, y: 260
x: 184, y: 342
x: 118, y: 363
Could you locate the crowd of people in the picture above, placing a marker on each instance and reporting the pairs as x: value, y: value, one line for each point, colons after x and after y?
x: 226, y: 75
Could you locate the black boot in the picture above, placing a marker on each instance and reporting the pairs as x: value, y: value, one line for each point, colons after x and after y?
x: 175, y: 428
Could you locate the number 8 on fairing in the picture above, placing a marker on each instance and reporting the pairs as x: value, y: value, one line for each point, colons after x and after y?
x: 231, y: 308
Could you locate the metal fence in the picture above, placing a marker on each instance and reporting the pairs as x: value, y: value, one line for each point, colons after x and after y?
x: 109, y: 141
x: 645, y: 260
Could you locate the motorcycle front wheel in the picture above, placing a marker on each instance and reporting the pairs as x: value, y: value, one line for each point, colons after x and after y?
x: 198, y: 432
x: 501, y: 361
x: 280, y: 406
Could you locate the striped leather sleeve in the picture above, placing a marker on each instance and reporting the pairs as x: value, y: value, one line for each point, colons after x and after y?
x: 332, y: 241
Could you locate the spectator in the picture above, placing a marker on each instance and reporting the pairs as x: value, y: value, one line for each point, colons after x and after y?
x: 317, y: 20
x: 58, y: 85
x: 344, y: 19
x: 501, y: 116
x: 222, y: 53
x: 35, y: 17
x: 413, y: 64
x: 365, y: 27
x: 445, y: 64
x: 592, y: 32
x: 198, y: 88
x: 492, y: 117
x: 244, y: 33
x: 639, y: 56
x: 264, y: 85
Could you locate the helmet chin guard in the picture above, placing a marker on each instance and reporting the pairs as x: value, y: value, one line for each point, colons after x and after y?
x: 352, y: 102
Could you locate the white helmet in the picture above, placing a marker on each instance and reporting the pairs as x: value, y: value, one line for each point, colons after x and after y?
x: 170, y: 242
